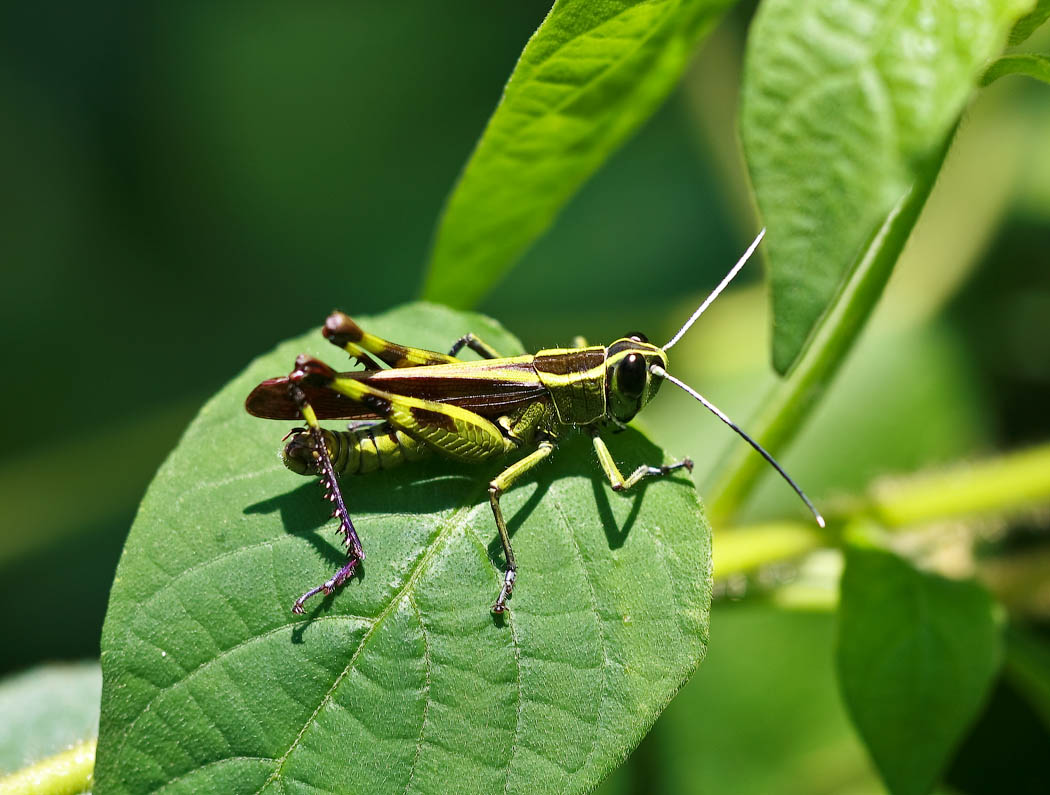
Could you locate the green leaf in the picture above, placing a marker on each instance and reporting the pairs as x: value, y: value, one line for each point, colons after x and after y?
x: 1030, y: 22
x: 844, y: 107
x: 917, y: 654
x: 1030, y: 65
x: 592, y: 73
x: 402, y: 680
x: 47, y: 709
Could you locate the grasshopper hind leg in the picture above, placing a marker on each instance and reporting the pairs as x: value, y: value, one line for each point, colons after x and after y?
x: 476, y: 344
x: 322, y: 461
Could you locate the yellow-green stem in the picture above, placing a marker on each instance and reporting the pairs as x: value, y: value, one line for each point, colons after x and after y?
x: 67, y: 773
x: 999, y: 486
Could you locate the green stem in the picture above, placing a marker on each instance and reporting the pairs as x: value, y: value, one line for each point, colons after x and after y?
x: 745, y: 549
x: 67, y: 773
x: 791, y: 401
x: 1003, y: 485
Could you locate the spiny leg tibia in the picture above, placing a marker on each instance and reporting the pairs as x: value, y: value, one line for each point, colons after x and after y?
x: 497, y: 486
x: 323, y: 461
x: 612, y: 472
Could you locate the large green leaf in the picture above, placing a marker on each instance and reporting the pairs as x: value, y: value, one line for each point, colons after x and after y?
x: 845, y: 107
x: 917, y: 654
x: 589, y: 76
x: 402, y: 680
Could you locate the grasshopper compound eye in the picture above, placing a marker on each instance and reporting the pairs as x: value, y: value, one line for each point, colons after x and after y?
x: 631, y: 376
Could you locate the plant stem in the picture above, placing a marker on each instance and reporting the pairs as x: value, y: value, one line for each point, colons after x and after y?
x: 1004, y: 484
x: 67, y: 773
x: 744, y: 549
x: 791, y: 401
x: 1001, y: 485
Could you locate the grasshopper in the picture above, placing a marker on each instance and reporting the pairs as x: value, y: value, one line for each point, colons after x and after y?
x: 424, y: 402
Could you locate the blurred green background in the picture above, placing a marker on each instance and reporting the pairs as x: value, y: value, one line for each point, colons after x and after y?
x: 177, y: 174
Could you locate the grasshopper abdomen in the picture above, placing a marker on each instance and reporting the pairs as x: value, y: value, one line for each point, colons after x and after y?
x: 356, y: 451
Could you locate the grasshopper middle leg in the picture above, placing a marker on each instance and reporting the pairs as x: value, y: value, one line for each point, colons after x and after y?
x: 617, y: 480
x: 497, y: 486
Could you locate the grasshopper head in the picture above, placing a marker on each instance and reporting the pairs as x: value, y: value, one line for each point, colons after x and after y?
x: 629, y: 384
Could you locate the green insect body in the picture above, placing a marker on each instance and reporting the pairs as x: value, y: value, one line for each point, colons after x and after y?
x: 409, y: 403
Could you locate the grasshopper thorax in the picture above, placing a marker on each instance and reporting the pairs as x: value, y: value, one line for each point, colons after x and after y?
x: 629, y: 384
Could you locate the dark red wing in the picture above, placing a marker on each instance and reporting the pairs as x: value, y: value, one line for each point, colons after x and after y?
x: 270, y: 400
x: 490, y: 397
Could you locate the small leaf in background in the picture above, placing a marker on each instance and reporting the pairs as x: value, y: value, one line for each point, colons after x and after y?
x: 402, y: 680
x: 917, y: 654
x: 1028, y: 65
x: 590, y: 75
x: 1006, y: 749
x: 1030, y: 22
x: 46, y: 710
x: 844, y: 107
x: 1027, y: 666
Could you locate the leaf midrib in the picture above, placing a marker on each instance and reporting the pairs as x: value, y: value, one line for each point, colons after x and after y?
x: 453, y: 523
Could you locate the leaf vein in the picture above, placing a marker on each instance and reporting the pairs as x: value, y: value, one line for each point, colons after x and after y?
x: 225, y: 652
x: 606, y: 662
x: 427, y: 666
x: 428, y: 554
x: 214, y: 763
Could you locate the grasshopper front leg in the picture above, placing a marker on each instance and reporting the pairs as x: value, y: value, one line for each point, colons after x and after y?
x: 612, y: 472
x: 497, y: 486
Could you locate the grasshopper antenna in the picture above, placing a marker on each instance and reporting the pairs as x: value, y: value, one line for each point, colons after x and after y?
x: 717, y: 291
x: 660, y: 372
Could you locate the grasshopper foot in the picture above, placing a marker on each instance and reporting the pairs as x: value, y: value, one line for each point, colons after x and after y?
x: 340, y: 577
x: 685, y: 463
x: 505, y: 591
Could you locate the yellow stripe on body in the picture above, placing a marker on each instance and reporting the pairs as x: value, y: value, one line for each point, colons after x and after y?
x: 514, y: 369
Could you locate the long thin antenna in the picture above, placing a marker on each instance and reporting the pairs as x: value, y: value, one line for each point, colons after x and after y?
x: 660, y: 372
x: 715, y: 293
